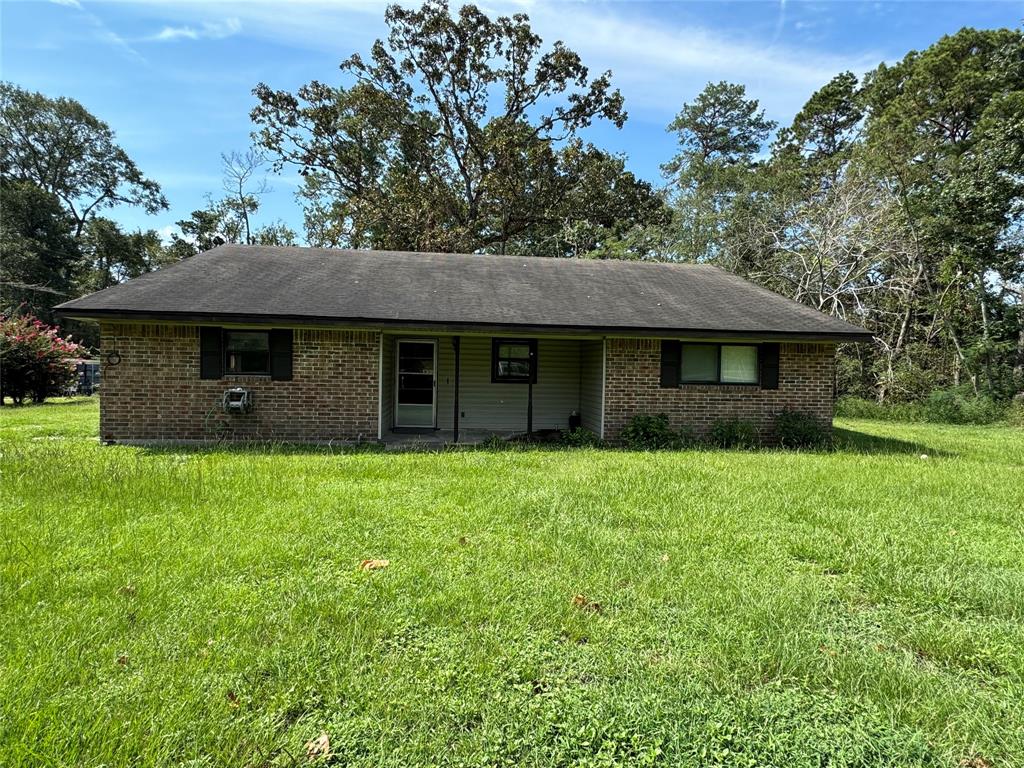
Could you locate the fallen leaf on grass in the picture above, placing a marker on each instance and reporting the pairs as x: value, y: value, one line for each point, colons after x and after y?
x: 123, y: 659
x: 975, y: 762
x: 318, y: 747
x: 586, y: 604
x: 373, y: 565
x: 463, y: 541
x: 232, y: 699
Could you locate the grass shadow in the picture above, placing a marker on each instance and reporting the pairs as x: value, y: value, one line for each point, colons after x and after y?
x: 844, y: 440
x: 861, y: 442
x: 77, y: 401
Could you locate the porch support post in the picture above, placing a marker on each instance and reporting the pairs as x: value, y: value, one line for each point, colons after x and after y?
x: 529, y: 409
x: 457, y: 343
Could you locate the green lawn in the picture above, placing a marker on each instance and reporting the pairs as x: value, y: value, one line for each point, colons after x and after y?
x: 858, y: 607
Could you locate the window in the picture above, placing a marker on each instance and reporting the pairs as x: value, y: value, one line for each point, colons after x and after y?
x: 247, y: 352
x: 514, y: 360
x: 739, y: 365
x: 710, y: 364
x: 699, y: 364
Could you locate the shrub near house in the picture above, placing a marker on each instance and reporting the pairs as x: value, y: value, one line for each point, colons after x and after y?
x: 35, y: 362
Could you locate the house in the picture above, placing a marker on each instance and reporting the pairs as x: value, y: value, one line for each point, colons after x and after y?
x: 311, y: 345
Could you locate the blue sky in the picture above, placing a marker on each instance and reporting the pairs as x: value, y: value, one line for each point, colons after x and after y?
x: 174, y: 80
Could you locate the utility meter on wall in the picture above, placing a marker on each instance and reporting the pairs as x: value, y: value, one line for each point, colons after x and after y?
x: 237, y: 400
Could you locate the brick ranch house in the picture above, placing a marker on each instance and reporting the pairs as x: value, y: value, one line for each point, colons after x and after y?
x: 316, y: 345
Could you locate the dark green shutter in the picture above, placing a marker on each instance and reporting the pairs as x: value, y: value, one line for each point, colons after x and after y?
x: 281, y: 354
x: 211, y: 353
x: 769, y: 366
x: 671, y: 357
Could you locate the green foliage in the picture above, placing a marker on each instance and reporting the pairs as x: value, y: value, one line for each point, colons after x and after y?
x: 115, y: 255
x: 35, y: 363
x: 864, y: 607
x: 40, y: 262
x: 652, y: 433
x: 796, y: 429
x: 719, y: 134
x: 581, y: 437
x: 1015, y: 412
x: 457, y: 133
x: 81, y: 163
x: 948, y: 406
x: 496, y: 443
x: 733, y: 433
x: 894, y: 201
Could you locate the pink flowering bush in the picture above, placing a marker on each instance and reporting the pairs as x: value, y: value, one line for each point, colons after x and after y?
x: 34, y: 361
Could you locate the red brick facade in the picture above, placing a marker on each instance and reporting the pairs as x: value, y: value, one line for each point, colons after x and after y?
x: 154, y: 393
x: 632, y: 387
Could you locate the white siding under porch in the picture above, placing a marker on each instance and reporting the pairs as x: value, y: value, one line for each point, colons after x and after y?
x: 568, y: 379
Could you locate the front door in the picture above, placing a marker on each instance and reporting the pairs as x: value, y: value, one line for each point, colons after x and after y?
x: 415, y: 390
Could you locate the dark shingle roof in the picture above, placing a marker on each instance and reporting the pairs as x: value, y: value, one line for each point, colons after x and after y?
x: 389, y: 288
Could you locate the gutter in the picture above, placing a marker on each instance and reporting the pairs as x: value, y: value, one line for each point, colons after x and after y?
x: 192, y: 318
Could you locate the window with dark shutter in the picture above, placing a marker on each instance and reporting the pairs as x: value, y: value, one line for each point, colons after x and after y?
x: 769, y: 366
x: 671, y: 352
x: 211, y: 353
x: 281, y: 354
x: 247, y: 352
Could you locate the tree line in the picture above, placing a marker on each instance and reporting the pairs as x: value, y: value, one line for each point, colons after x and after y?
x: 894, y: 199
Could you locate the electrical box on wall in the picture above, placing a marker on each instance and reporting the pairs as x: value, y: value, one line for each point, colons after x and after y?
x: 237, y: 400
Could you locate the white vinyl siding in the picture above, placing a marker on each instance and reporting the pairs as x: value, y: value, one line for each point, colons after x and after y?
x: 569, y: 375
x: 502, y: 406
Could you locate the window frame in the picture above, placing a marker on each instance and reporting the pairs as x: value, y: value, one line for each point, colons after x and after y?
x: 757, y: 367
x: 717, y: 381
x: 225, y: 336
x: 496, y: 378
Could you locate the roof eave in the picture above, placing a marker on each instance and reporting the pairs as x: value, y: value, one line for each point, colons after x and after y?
x: 96, y: 315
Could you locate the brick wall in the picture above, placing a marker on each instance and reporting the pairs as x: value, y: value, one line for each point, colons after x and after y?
x: 155, y: 392
x: 632, y: 387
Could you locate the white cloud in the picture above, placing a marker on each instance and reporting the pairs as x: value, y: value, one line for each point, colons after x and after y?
x: 657, y: 64
x: 100, y: 30
x: 658, y: 67
x: 208, y: 30
x: 167, y: 232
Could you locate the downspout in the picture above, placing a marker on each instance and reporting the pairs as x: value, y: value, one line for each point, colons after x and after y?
x: 529, y: 397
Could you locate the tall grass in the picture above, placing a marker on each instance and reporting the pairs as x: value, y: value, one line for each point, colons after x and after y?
x: 168, y: 607
x: 947, y: 406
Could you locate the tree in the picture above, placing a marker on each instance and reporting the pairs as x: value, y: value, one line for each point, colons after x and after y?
x: 35, y: 362
x: 230, y: 218
x: 943, y: 126
x: 115, y: 255
x: 456, y: 134
x: 719, y: 134
x: 58, y: 145
x: 41, y: 262
x: 242, y: 198
x: 219, y: 224
x: 897, y: 200
x: 824, y: 132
